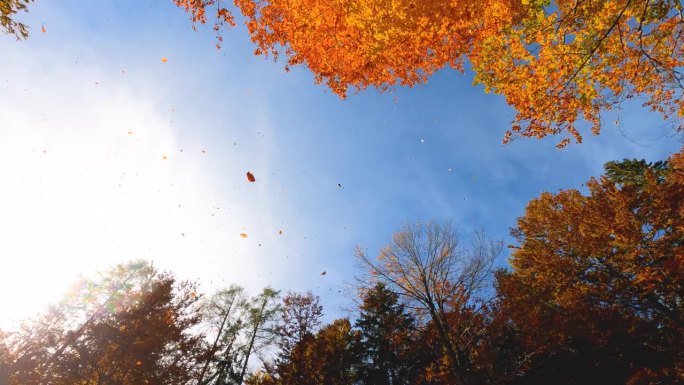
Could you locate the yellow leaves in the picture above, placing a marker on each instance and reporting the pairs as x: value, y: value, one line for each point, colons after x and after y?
x: 243, y: 235
x: 556, y: 66
x: 164, y: 60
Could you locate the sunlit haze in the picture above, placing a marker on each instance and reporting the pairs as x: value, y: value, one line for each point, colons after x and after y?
x: 126, y: 135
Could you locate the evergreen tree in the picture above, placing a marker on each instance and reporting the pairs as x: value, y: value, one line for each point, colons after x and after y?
x: 387, y: 332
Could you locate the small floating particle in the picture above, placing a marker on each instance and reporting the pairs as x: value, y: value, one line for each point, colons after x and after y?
x: 165, y: 157
x: 324, y: 272
x: 164, y: 60
x: 280, y: 232
x: 250, y: 177
x: 243, y: 235
x: 42, y: 29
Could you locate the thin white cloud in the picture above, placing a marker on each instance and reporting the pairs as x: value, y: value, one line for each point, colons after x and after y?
x: 93, y: 175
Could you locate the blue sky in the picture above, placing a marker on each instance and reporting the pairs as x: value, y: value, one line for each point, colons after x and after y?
x: 109, y: 154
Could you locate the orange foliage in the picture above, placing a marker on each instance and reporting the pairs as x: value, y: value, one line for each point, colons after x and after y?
x: 606, y: 269
x: 582, y: 58
x: 556, y: 64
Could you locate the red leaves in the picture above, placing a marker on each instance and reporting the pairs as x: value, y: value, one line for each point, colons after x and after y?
x: 250, y: 177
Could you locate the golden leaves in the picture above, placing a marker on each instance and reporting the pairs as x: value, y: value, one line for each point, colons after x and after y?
x: 556, y: 66
x: 243, y: 235
x: 564, y: 67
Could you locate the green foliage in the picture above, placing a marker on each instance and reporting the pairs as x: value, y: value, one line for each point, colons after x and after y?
x: 632, y: 172
x: 387, y: 339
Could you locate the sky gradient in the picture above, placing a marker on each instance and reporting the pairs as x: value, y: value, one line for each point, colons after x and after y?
x: 108, y: 153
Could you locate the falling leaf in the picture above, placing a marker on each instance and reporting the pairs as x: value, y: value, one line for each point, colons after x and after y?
x: 164, y: 60
x: 165, y: 157
x: 130, y: 132
x: 42, y: 29
x: 323, y: 272
x: 138, y: 363
x: 250, y: 177
x: 243, y: 235
x: 280, y: 232
x: 339, y: 185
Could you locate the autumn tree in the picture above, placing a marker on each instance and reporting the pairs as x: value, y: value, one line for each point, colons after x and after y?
x: 300, y: 316
x: 326, y: 358
x: 597, y: 281
x: 131, y: 326
x: 555, y: 62
x: 8, y: 11
x: 389, y: 346
x: 425, y: 266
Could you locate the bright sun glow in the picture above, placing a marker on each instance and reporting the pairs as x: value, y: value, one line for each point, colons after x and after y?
x: 89, y: 182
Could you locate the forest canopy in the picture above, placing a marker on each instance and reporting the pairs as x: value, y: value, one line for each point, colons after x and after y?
x: 557, y: 63
x: 594, y: 293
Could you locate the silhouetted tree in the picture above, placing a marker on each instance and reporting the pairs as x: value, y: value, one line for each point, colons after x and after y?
x: 131, y: 326
x: 388, y: 346
x: 223, y: 315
